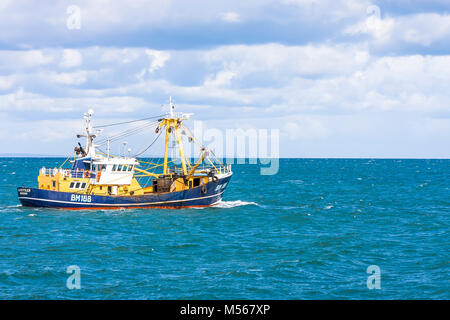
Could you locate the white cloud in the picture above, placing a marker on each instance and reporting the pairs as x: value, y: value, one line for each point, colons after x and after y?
x: 289, y: 60
x: 157, y: 59
x: 23, y: 101
x: 33, y: 58
x: 329, y: 10
x: 220, y: 79
x: 380, y: 29
x: 125, y: 55
x: 231, y: 17
x: 423, y: 29
x: 69, y: 78
x: 6, y: 82
x: 71, y: 58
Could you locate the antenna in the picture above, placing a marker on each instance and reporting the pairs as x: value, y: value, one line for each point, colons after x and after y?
x: 90, y: 136
x: 107, y: 146
x: 124, y: 148
x: 171, y: 107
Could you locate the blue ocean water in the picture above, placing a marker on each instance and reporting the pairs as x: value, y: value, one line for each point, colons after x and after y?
x: 308, y: 232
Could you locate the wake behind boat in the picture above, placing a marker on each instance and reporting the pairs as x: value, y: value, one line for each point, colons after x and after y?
x: 103, y: 181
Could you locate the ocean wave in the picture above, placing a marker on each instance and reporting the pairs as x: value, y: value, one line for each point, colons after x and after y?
x: 232, y: 204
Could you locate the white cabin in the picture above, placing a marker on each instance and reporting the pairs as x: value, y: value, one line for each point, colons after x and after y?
x: 113, y: 171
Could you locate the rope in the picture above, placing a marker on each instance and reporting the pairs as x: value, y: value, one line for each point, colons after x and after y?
x: 64, y: 161
x: 149, y: 145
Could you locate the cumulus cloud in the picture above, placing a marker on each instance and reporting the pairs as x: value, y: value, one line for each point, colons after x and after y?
x: 31, y: 58
x: 6, y: 82
x: 230, y: 16
x: 421, y: 29
x: 157, y: 59
x: 115, y: 55
x: 290, y: 60
x: 71, y: 58
x: 69, y: 78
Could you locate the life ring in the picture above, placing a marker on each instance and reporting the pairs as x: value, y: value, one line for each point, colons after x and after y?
x: 87, y: 174
x: 215, y: 178
x: 204, y: 189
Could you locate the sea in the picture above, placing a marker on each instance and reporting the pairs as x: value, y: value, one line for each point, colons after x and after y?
x: 317, y: 229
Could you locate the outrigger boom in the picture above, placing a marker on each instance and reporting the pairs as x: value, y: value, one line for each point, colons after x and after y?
x: 98, y: 180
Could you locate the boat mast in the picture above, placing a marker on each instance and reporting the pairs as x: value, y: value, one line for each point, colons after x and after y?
x: 173, y: 122
x: 90, y: 147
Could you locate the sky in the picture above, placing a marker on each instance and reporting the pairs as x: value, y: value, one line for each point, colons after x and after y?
x: 336, y: 78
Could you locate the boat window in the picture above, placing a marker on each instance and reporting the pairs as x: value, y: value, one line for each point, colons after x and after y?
x: 54, y: 184
x: 71, y: 185
x: 77, y: 185
x: 124, y: 168
x: 119, y: 168
x: 130, y: 167
x: 83, y: 185
x: 196, y: 182
x: 114, y: 167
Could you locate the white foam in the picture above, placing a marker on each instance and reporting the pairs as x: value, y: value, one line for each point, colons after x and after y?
x: 232, y: 204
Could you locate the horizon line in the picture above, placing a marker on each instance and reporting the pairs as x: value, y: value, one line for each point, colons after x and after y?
x: 18, y: 155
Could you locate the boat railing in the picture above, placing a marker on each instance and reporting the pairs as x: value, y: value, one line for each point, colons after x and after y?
x: 224, y: 168
x: 220, y: 169
x: 74, y: 174
x: 50, y: 172
x: 204, y: 168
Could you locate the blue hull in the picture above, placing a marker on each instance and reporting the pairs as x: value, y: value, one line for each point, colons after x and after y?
x: 194, y: 197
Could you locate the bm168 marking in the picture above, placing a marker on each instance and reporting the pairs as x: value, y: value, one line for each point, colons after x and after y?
x: 80, y: 198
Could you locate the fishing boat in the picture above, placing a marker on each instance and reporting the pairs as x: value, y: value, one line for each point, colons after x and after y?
x: 98, y: 180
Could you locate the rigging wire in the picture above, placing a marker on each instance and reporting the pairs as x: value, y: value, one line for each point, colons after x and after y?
x: 131, y: 130
x: 127, y: 133
x: 148, y: 146
x: 125, y: 122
